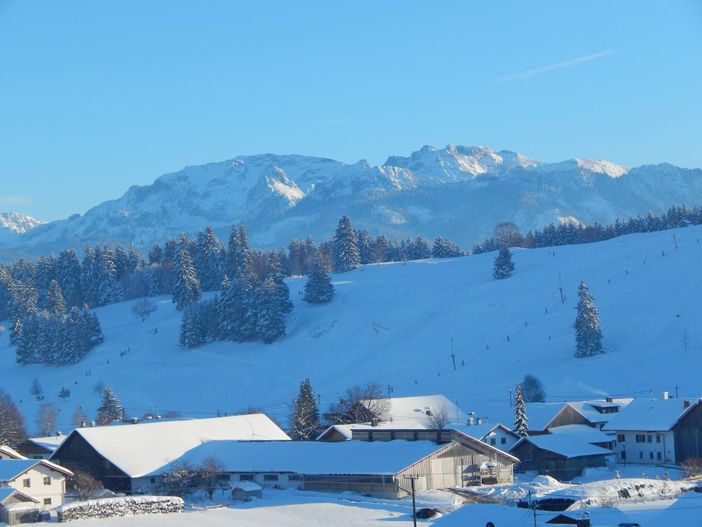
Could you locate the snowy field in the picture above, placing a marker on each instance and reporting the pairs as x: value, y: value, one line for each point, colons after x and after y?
x: 393, y: 324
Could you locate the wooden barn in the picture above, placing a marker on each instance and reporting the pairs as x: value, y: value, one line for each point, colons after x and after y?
x: 376, y: 468
x: 559, y: 456
x: 121, y: 456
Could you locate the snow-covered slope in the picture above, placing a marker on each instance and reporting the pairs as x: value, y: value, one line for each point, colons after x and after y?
x: 458, y: 192
x: 393, y: 324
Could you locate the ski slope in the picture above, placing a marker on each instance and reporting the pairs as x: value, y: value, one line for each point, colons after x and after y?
x: 393, y: 324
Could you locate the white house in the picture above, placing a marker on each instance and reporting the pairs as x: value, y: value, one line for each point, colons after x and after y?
x: 7, y: 452
x: 42, y: 480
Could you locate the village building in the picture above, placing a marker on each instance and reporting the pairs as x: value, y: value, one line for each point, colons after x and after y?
x: 657, y: 431
x: 43, y: 481
x: 17, y: 507
x: 40, y: 447
x: 595, y: 412
x: 375, y: 468
x: 7, y: 452
x: 561, y: 456
x: 121, y: 456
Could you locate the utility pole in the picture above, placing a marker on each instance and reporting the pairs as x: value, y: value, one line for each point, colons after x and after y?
x: 675, y: 240
x: 414, y: 505
x: 453, y: 356
x: 532, y: 506
x: 560, y: 289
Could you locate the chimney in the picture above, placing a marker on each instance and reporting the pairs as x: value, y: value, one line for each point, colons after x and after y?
x: 471, y: 421
x: 609, y: 399
x: 478, y: 420
x: 686, y: 403
x: 374, y: 421
x: 665, y: 396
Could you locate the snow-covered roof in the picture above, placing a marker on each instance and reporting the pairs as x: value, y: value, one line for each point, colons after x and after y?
x: 406, y: 413
x: 313, y: 457
x: 563, y: 444
x: 248, y: 486
x: 8, y: 492
x: 648, y: 415
x: 539, y: 415
x: 139, y: 449
x: 482, y: 430
x: 11, y: 468
x: 584, y: 433
x: 51, y: 443
x: 11, y: 452
x: 589, y: 409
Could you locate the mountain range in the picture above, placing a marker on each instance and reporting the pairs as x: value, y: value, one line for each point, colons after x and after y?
x: 457, y: 192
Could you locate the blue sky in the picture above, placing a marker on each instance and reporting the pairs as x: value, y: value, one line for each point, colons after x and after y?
x: 98, y: 96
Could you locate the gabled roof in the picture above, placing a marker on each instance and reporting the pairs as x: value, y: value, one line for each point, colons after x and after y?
x: 592, y: 409
x: 483, y: 430
x: 313, y: 457
x: 11, y: 452
x: 50, y: 443
x: 581, y: 433
x: 486, y: 448
x: 564, y: 445
x: 540, y: 415
x: 406, y: 413
x: 12, y: 468
x: 7, y: 492
x: 652, y: 415
x: 139, y: 449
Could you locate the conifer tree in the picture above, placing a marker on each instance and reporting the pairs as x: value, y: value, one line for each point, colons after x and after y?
x: 12, y: 430
x: 238, y: 254
x: 282, y: 292
x: 319, y: 289
x: 209, y: 260
x: 68, y: 276
x: 304, y: 422
x: 588, y: 336
x: 345, y: 252
x: 110, y: 408
x: 186, y: 290
x: 520, y: 417
x: 270, y: 314
x: 504, y: 266
x: 54, y: 298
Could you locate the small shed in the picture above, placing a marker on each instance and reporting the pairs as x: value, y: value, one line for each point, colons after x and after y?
x: 246, y: 491
x: 17, y: 507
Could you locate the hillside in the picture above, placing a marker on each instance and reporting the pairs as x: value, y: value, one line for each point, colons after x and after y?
x: 458, y: 192
x: 393, y: 324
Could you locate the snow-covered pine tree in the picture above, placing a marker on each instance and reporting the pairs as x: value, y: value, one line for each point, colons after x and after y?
x: 68, y: 276
x: 12, y: 429
x: 186, y: 290
x: 120, y: 261
x: 282, y: 292
x: 270, y: 313
x: 192, y: 330
x: 54, y: 298
x: 110, y: 408
x: 304, y: 421
x: 319, y: 289
x: 109, y: 290
x: 88, y: 277
x: 238, y: 254
x: 345, y: 247
x: 209, y: 260
x: 133, y: 257
x: 503, y: 266
x: 588, y: 336
x: 520, y: 417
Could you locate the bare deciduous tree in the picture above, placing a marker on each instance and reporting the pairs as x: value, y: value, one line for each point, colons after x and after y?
x: 439, y: 417
x: 533, y: 390
x: 692, y: 466
x: 360, y: 404
x: 143, y: 308
x: 210, y: 475
x: 84, y: 485
x: 46, y: 418
x: 179, y: 479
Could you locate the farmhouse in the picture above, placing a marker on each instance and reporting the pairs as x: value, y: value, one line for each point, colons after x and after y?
x: 657, y: 431
x: 375, y: 468
x: 40, y: 447
x: 121, y: 456
x: 43, y: 481
x: 559, y: 455
x: 595, y: 413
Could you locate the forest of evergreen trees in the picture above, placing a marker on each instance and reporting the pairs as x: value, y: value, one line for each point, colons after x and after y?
x: 47, y: 301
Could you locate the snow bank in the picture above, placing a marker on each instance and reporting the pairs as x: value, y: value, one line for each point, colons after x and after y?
x: 123, y: 506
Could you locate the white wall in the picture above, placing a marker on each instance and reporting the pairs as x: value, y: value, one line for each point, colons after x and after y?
x: 37, y: 489
x: 658, y: 448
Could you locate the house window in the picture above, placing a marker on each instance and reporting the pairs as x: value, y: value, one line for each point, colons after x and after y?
x: 26, y: 483
x: 623, y: 455
x: 640, y: 438
x: 493, y: 441
x: 152, y: 481
x: 640, y: 455
x: 270, y: 477
x: 47, y: 480
x: 246, y: 477
x: 658, y: 439
x: 650, y: 455
x: 503, y: 440
x: 47, y: 501
x: 658, y: 456
x: 294, y: 477
x: 649, y: 438
x: 621, y: 438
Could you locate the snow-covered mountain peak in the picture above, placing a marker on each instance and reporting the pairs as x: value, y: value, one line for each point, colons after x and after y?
x: 17, y: 222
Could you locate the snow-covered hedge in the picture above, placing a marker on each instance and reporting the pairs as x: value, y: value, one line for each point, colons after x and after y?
x: 123, y: 506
